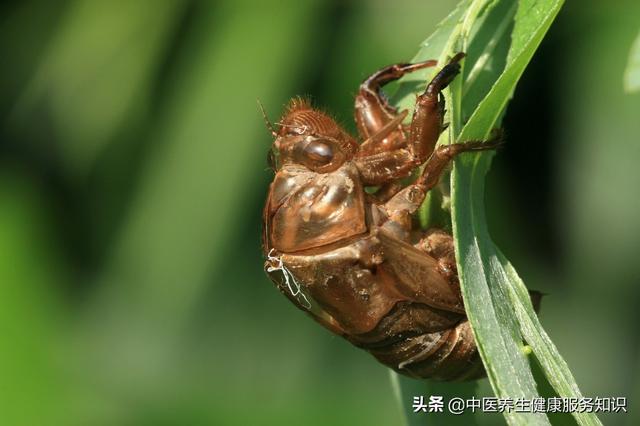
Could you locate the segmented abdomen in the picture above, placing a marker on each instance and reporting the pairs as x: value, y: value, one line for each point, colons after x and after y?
x: 413, y: 340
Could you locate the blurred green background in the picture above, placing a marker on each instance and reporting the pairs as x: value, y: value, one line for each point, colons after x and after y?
x: 132, y: 177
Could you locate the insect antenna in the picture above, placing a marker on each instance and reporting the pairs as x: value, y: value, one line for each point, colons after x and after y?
x: 266, y: 119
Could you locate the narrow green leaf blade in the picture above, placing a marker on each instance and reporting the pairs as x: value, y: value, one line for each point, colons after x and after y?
x: 487, y: 54
x: 498, y: 304
x: 483, y: 285
x: 495, y: 328
x: 533, y: 19
x: 554, y: 366
x: 489, y: 283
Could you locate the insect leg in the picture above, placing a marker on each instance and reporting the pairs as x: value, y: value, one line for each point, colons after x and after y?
x: 384, y: 167
x: 439, y: 245
x: 387, y: 138
x: 410, y: 198
x: 380, y: 158
x: 427, y: 121
x: 372, y: 111
x: 441, y: 157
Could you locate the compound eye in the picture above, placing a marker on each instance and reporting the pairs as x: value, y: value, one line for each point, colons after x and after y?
x: 318, y: 153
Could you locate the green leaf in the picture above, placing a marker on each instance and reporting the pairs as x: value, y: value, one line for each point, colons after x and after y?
x: 500, y: 39
x: 632, y: 72
x: 526, y: 37
x: 488, y: 308
x: 494, y: 294
x: 486, y: 54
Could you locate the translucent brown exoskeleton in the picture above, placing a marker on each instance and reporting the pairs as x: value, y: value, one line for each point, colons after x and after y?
x: 355, y: 261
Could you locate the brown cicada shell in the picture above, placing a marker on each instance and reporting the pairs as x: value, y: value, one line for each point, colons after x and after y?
x: 354, y: 261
